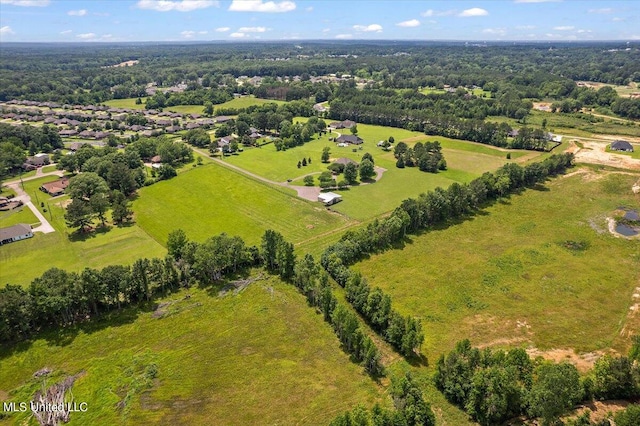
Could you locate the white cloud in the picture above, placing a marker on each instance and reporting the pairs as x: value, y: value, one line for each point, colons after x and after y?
x: 344, y: 36
x: 252, y: 29
x: 222, y: 29
x: 6, y: 30
x: 237, y: 35
x: 203, y: 32
x: 107, y: 36
x: 179, y: 6
x: 261, y: 6
x: 187, y: 34
x: 431, y: 12
x: 526, y: 27
x: 86, y: 36
x: 326, y: 30
x: 368, y: 28
x: 475, y: 11
x: 309, y: 9
x: 537, y: 1
x: 66, y: 32
x: 80, y: 12
x: 410, y: 23
x: 564, y: 28
x: 495, y: 31
x: 27, y: 3
x: 602, y: 11
x: 584, y: 31
x: 617, y: 19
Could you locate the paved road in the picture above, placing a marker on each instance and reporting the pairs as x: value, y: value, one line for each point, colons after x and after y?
x: 45, y: 227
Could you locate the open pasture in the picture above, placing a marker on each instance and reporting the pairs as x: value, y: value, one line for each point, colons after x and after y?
x: 212, y: 199
x: 246, y: 101
x: 538, y: 269
x: 262, y: 356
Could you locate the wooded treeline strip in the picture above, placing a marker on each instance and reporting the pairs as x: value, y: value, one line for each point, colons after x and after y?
x: 59, y: 299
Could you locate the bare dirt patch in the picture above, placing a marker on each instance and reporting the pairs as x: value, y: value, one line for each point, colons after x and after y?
x: 124, y: 64
x: 583, y: 362
x: 238, y: 286
x: 595, y: 153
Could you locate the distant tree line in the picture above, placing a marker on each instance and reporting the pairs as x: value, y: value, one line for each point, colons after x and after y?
x: 495, y: 386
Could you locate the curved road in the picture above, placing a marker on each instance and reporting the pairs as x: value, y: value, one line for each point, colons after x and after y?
x: 45, y: 227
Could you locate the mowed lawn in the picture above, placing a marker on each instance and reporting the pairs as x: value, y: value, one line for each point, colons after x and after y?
x: 538, y: 269
x: 465, y: 160
x: 245, y: 102
x: 211, y: 199
x: 260, y: 357
x: 25, y: 260
x: 125, y: 103
x: 20, y: 215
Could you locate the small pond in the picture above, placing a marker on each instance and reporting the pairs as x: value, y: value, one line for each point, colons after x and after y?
x: 631, y: 215
x: 625, y: 230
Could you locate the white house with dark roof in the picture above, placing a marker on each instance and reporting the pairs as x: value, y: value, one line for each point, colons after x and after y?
x: 18, y: 232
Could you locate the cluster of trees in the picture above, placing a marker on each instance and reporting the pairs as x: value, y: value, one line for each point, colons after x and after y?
x: 427, y: 157
x: 195, y: 96
x: 91, y: 199
x: 15, y: 141
x: 171, y: 153
x: 410, y: 408
x: 59, y: 298
x: 122, y: 171
x: 494, y: 386
x: 278, y: 257
x: 533, y: 139
x: 435, y: 207
x: 403, y: 333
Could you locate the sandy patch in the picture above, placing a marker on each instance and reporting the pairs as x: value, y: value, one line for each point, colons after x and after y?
x: 583, y: 362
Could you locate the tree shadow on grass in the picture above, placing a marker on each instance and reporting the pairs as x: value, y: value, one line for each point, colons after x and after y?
x: 417, y: 360
x: 86, y: 235
x: 63, y: 336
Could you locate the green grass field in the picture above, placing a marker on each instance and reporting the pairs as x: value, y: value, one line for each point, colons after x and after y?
x: 259, y: 357
x: 212, y: 199
x: 247, y: 101
x: 19, y: 215
x: 28, y: 259
x: 635, y: 154
x: 126, y: 103
x: 509, y: 277
x: 465, y: 161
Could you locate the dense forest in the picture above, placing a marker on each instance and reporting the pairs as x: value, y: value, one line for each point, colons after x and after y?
x: 86, y: 74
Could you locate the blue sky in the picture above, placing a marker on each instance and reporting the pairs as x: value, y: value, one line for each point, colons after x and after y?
x: 244, y: 20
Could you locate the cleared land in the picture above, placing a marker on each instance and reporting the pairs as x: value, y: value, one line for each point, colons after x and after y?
x: 539, y: 269
x: 25, y: 260
x: 465, y: 161
x: 211, y: 199
x: 259, y: 357
x: 126, y: 103
x: 247, y: 101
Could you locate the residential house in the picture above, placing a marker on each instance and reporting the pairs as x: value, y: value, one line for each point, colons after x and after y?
x: 350, y: 139
x: 621, y: 145
x: 56, y: 187
x: 18, y: 232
